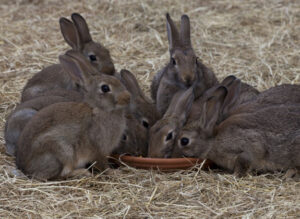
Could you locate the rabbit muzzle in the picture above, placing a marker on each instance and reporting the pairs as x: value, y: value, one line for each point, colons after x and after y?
x: 123, y: 98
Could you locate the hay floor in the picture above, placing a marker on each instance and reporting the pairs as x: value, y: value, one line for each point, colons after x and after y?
x: 258, y: 41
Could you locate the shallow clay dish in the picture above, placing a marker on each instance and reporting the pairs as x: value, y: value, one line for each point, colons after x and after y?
x: 159, y: 163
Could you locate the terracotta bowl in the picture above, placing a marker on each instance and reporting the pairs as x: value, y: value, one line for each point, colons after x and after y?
x: 159, y: 163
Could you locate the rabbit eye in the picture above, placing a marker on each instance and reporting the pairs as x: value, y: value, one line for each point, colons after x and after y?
x: 173, y: 61
x: 92, y: 58
x: 169, y: 136
x: 184, y: 141
x: 145, y: 124
x: 105, y: 88
x: 124, y: 137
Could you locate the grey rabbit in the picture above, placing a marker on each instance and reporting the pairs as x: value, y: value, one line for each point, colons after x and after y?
x: 183, y: 70
x: 77, y: 35
x: 264, y: 139
x: 141, y: 115
x: 19, y: 117
x: 62, y: 138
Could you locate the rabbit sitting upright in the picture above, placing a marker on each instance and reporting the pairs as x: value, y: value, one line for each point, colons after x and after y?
x: 263, y: 139
x: 183, y: 70
x: 62, y: 138
x: 77, y: 35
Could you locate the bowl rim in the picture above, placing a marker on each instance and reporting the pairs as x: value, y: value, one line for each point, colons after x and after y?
x: 156, y: 161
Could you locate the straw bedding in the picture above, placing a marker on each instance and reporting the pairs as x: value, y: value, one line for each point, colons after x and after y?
x: 257, y: 41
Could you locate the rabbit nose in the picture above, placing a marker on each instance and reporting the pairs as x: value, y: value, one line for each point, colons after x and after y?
x: 188, y: 81
x: 108, y: 69
x: 123, y: 98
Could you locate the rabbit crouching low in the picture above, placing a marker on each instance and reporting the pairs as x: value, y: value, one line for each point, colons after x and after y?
x: 264, y: 139
x: 61, y: 139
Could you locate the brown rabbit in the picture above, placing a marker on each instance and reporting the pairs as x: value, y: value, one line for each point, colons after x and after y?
x: 183, y: 70
x: 77, y: 35
x: 164, y: 131
x: 141, y: 115
x: 135, y: 138
x: 264, y: 139
x: 18, y: 118
x: 169, y: 125
x: 62, y: 138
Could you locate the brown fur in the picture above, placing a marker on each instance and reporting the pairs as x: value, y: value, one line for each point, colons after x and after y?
x: 142, y: 114
x: 160, y: 145
x: 62, y: 138
x: 18, y: 118
x: 183, y: 70
x: 54, y: 77
x: 266, y: 138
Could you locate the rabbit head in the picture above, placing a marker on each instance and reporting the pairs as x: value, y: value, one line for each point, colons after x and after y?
x: 216, y: 102
x: 141, y: 106
x: 77, y: 35
x: 135, y: 138
x: 163, y: 133
x: 183, y: 60
x: 100, y: 90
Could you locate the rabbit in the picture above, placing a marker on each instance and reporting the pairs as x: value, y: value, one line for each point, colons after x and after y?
x: 266, y: 139
x: 77, y: 35
x: 62, y: 138
x: 281, y: 94
x: 141, y: 107
x: 160, y: 142
x: 163, y: 133
x: 18, y: 118
x: 135, y: 138
x: 183, y: 70
x: 140, y: 116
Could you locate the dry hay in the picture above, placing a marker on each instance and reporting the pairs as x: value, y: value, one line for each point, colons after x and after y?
x: 258, y: 41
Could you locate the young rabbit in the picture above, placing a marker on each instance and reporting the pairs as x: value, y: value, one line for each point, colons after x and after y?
x: 77, y: 35
x: 184, y: 109
x: 266, y: 139
x: 164, y: 131
x: 18, y: 118
x: 62, y: 138
x: 135, y: 138
x: 141, y: 115
x: 184, y: 68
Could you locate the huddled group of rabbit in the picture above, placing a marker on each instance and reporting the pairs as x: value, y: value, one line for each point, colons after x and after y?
x: 82, y: 110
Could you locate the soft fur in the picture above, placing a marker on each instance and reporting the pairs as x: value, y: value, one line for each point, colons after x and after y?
x: 61, y: 139
x: 77, y: 35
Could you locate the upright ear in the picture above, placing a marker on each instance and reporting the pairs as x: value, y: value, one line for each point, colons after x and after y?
x: 211, y: 109
x: 228, y: 80
x: 130, y: 82
x: 234, y: 90
x: 173, y: 35
x: 185, y: 35
x: 181, y: 105
x: 82, y: 28
x: 76, y: 69
x: 69, y: 33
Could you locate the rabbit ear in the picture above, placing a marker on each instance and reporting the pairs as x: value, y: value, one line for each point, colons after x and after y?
x: 173, y: 35
x: 82, y: 27
x: 228, y: 80
x: 234, y: 89
x: 76, y: 68
x: 181, y: 107
x: 185, y: 35
x: 69, y: 33
x: 211, y: 109
x: 131, y: 83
